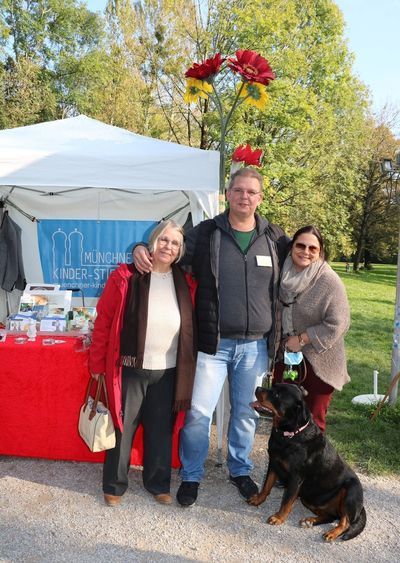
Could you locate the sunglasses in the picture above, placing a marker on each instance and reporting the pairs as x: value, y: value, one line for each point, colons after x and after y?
x: 300, y: 246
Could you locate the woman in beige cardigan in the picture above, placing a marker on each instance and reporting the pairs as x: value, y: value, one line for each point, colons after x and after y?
x: 315, y: 317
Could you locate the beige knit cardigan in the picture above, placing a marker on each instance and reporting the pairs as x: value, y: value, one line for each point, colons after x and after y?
x: 322, y: 311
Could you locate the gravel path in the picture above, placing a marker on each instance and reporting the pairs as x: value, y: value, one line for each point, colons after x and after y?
x: 53, y: 511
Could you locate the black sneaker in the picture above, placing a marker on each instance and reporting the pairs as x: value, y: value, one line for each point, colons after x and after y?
x: 187, y: 493
x: 247, y: 487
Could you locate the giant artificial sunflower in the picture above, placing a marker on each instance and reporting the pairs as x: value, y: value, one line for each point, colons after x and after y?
x: 244, y: 153
x: 255, y: 94
x: 196, y: 89
x: 207, y: 69
x: 252, y: 67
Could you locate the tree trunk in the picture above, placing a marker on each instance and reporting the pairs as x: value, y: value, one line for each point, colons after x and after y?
x: 358, y: 253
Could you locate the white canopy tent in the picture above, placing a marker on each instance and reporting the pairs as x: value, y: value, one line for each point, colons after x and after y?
x: 80, y: 168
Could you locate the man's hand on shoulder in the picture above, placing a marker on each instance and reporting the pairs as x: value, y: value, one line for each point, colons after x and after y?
x: 142, y: 259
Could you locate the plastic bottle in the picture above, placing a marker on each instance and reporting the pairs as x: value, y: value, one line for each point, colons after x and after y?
x: 32, y: 330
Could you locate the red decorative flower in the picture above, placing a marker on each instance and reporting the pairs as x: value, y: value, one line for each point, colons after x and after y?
x: 204, y: 70
x: 244, y: 153
x: 252, y: 66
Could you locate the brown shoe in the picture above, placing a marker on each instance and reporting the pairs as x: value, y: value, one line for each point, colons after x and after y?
x: 163, y: 498
x: 112, y: 500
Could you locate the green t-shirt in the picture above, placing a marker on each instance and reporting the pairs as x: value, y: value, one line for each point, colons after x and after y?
x: 244, y: 239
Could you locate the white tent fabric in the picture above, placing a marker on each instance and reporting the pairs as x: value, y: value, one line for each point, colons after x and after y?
x: 84, y: 169
x: 82, y: 152
x: 80, y: 168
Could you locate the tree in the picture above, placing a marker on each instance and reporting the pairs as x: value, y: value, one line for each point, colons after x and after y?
x: 28, y: 96
x: 59, y: 59
x: 314, y: 128
x: 38, y: 42
x: 313, y: 131
x: 43, y: 29
x: 375, y: 211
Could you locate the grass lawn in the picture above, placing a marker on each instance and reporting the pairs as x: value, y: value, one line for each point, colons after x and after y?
x: 372, y: 447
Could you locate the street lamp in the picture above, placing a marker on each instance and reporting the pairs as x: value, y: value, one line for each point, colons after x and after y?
x: 392, y: 173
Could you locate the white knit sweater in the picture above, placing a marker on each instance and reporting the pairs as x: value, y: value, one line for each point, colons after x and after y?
x: 163, y: 323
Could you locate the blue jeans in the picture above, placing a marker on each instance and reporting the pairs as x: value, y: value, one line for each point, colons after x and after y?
x: 245, y: 362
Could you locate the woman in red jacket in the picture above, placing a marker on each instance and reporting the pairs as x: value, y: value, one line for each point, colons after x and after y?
x: 144, y: 343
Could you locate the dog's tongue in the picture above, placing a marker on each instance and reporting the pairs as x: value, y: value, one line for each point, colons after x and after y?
x: 255, y: 405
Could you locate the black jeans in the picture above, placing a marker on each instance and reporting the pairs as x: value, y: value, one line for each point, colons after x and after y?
x: 147, y: 397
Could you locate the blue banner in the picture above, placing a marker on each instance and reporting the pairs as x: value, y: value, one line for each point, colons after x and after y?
x: 81, y: 254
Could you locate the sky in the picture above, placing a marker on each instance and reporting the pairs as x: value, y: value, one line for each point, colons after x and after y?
x: 372, y: 31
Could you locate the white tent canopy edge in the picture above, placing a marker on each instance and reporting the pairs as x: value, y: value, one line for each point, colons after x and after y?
x: 84, y: 169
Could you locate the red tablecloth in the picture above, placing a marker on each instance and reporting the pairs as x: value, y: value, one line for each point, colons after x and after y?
x: 41, y: 391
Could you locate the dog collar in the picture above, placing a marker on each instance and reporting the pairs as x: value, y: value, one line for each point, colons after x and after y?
x: 291, y: 434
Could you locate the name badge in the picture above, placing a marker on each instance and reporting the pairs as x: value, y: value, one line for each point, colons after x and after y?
x: 264, y: 261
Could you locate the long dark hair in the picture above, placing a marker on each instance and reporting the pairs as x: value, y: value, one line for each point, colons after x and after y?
x: 311, y: 230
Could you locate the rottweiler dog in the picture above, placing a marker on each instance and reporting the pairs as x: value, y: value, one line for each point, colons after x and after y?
x: 309, y: 466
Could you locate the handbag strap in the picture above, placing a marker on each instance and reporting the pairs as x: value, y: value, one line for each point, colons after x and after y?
x: 101, y: 384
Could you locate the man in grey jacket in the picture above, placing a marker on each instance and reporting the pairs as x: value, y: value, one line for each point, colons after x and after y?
x: 235, y: 258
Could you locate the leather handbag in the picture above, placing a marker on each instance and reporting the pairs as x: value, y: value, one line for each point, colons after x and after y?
x: 96, y: 427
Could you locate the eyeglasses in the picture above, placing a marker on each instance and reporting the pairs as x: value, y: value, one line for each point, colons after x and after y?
x: 240, y: 192
x: 165, y: 241
x: 300, y: 246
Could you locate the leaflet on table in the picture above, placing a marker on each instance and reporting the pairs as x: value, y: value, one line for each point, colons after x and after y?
x: 53, y: 324
x: 42, y: 304
x: 20, y: 322
x: 82, y: 318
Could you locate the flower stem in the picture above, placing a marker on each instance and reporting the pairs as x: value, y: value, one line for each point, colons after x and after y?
x: 224, y: 126
x: 235, y: 104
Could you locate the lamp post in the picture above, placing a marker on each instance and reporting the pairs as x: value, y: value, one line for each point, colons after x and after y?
x: 392, y: 173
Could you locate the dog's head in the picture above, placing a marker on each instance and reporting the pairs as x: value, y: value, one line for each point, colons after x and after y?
x: 286, y: 403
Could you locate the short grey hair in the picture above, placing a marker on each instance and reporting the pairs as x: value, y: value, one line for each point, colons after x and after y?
x: 160, y: 229
x: 246, y: 172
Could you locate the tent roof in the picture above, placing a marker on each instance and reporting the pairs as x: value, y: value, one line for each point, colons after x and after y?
x: 82, y: 152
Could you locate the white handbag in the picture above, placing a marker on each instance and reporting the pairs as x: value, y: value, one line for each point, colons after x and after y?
x: 96, y: 427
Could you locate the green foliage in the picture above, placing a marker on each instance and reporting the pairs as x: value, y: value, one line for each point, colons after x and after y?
x: 375, y: 210
x: 373, y: 447
x: 40, y: 30
x: 28, y: 95
x: 46, y: 47
x: 127, y: 68
x: 315, y: 119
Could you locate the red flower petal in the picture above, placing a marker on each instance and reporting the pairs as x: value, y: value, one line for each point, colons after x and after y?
x: 237, y: 155
x: 251, y: 66
x: 244, y: 153
x: 204, y: 70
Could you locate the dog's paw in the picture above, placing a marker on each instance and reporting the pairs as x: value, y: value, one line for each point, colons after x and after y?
x: 332, y: 534
x: 307, y: 522
x: 256, y: 500
x: 275, y: 520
